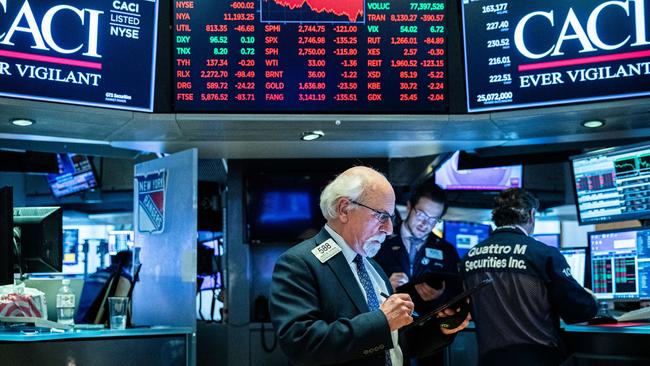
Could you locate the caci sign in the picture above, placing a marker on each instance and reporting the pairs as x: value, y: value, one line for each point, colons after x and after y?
x: 584, y: 31
x: 41, y: 32
x: 97, y: 53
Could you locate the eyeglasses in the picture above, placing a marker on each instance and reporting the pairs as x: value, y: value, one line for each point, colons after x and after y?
x: 381, y: 216
x: 422, y: 216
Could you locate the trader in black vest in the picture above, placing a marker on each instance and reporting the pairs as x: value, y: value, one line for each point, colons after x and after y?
x: 518, y: 318
x: 414, y: 251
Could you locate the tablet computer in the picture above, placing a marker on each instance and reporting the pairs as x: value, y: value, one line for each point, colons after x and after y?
x: 433, y: 279
x: 454, y: 300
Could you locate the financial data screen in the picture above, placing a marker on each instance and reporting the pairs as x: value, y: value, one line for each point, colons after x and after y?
x: 465, y: 235
x: 613, y: 185
x: 620, y: 264
x: 577, y: 260
x: 533, y: 53
x: 321, y: 56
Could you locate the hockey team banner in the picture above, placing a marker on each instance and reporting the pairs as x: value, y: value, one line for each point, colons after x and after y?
x: 151, y: 190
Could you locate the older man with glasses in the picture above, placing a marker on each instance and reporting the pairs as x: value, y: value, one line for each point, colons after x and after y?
x: 331, y: 304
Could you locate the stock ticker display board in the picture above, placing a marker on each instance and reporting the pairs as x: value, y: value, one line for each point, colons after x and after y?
x: 326, y: 56
x: 534, y: 53
x: 95, y: 53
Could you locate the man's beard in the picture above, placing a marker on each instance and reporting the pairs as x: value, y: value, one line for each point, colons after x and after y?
x: 372, y: 245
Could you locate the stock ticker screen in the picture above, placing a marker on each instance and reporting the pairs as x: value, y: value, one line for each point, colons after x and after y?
x: 613, y: 184
x: 321, y: 56
x: 534, y: 53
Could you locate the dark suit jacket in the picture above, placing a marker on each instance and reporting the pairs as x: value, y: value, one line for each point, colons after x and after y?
x: 321, y: 316
x: 393, y: 257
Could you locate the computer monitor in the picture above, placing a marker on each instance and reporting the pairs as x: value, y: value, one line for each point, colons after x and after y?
x: 449, y: 177
x: 6, y: 236
x: 552, y: 240
x: 465, y: 235
x: 620, y: 263
x: 612, y: 184
x: 75, y: 175
x: 577, y: 260
x: 70, y: 246
x: 39, y: 233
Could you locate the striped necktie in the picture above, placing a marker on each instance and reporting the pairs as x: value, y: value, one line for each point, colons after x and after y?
x: 413, y: 251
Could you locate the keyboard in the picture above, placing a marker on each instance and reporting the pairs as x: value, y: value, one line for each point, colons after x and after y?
x: 638, y: 314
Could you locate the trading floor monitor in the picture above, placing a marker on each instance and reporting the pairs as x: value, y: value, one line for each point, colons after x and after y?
x: 6, y: 236
x: 577, y: 259
x: 552, y: 240
x: 38, y: 233
x: 465, y: 235
x: 620, y: 264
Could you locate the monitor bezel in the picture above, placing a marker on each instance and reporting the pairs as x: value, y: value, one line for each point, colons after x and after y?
x: 610, y: 150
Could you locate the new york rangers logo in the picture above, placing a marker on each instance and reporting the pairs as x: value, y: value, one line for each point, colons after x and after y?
x: 151, y: 201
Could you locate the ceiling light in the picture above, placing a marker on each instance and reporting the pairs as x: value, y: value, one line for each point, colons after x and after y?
x: 22, y: 122
x: 312, y: 135
x: 595, y: 123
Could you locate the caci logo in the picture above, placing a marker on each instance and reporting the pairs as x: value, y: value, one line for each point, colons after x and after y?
x: 574, y: 29
x: 25, y: 21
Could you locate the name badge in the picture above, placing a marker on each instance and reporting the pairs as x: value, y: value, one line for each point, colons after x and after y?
x: 433, y: 253
x: 326, y: 250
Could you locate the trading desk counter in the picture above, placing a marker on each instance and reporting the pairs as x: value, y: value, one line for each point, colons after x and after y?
x: 613, y: 344
x: 137, y: 346
x: 587, y: 345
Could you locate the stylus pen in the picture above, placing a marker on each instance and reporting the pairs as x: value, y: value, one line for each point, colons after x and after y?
x: 385, y: 296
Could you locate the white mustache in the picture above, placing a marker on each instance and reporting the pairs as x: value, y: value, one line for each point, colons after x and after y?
x: 379, y: 237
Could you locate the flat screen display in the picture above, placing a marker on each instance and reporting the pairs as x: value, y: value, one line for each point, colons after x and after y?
x: 577, y: 260
x: 283, y: 207
x: 534, y: 53
x: 75, y: 175
x: 320, y: 56
x: 449, y: 177
x: 620, y: 263
x: 465, y: 235
x: 552, y: 240
x: 613, y: 184
x: 70, y: 246
x: 95, y: 53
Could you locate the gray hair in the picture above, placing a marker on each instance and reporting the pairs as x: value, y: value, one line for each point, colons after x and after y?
x: 351, y: 186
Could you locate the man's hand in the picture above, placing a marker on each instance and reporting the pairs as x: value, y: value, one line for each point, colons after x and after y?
x: 451, y: 312
x: 398, y: 309
x: 397, y: 279
x: 428, y: 293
